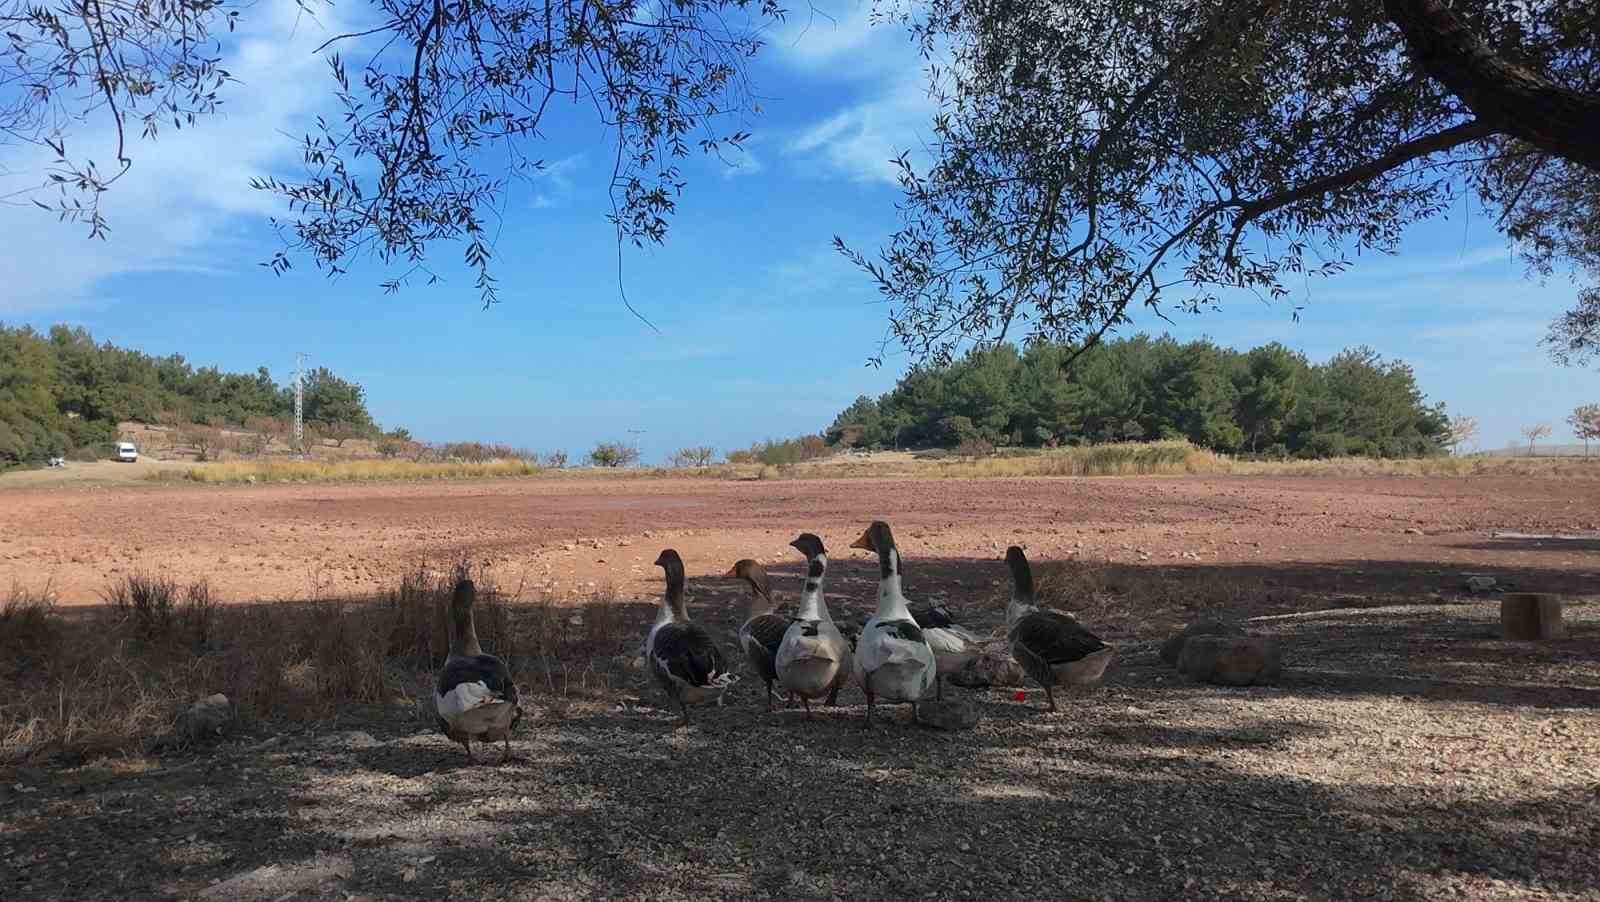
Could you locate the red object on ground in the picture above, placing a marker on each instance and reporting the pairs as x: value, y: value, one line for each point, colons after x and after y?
x: 1020, y: 695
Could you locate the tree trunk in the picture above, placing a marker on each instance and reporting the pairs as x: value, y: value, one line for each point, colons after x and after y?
x: 1514, y: 99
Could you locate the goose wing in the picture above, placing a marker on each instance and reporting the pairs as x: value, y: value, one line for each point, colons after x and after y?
x: 468, y: 682
x: 1054, y: 638
x: 767, y: 631
x: 687, y: 652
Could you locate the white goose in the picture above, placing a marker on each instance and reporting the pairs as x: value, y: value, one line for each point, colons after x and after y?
x: 892, y: 658
x: 1051, y: 647
x: 813, y: 659
x: 685, y: 660
x: 475, y: 696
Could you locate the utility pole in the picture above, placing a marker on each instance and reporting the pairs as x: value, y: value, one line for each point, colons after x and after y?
x: 300, y: 404
x: 636, y: 433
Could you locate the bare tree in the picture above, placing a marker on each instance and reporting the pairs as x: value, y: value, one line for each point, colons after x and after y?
x: 1462, y: 430
x: 1585, y: 422
x: 1534, y: 433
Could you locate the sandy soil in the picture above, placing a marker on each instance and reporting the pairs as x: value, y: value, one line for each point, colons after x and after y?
x: 1407, y: 753
x: 265, y: 542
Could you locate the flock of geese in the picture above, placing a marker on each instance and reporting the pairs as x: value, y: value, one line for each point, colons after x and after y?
x: 899, y: 655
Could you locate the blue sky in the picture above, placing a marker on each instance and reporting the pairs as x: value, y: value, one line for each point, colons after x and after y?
x: 765, y: 329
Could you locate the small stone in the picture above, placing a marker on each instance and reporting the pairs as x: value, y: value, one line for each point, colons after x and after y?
x: 948, y: 715
x: 1413, y: 531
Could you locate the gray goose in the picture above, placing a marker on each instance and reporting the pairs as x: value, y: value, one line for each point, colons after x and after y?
x: 762, y: 631
x: 685, y: 660
x: 1052, y: 648
x: 475, y: 696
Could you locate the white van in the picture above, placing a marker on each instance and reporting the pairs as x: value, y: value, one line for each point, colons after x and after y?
x: 127, y: 452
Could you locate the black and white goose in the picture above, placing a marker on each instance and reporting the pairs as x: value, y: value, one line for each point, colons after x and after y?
x: 686, y: 661
x: 1051, y: 647
x: 475, y: 696
x: 954, y: 646
x: 892, y: 659
x: 813, y: 659
x: 762, y: 631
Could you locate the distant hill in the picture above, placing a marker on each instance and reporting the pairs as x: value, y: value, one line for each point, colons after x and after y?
x: 61, y: 392
x: 1542, y: 449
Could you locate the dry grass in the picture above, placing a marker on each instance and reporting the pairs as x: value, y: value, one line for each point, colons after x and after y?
x: 347, y: 471
x: 79, y: 684
x: 1505, y: 467
x: 1148, y: 602
x: 1125, y: 459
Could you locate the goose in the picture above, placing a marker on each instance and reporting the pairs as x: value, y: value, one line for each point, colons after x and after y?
x: 475, y: 696
x: 686, y: 661
x: 763, y: 630
x: 892, y: 658
x: 954, y: 646
x: 1052, y: 647
x: 813, y: 659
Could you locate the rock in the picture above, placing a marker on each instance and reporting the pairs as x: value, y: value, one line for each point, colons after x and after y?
x: 281, y: 881
x: 1532, y: 615
x: 1231, y: 660
x: 1477, y: 584
x: 1172, y: 649
x: 1413, y: 531
x: 206, y: 718
x: 948, y: 715
x: 995, y: 667
x: 351, y: 739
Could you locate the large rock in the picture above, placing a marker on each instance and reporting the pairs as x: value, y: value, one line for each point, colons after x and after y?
x: 1231, y: 660
x: 948, y: 715
x: 207, y: 718
x: 1172, y: 649
x: 1532, y: 615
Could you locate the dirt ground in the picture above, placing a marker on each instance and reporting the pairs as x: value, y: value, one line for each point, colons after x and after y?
x: 275, y: 541
x: 1407, y: 753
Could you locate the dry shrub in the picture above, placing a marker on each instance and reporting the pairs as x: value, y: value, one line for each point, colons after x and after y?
x: 1148, y: 601
x: 111, y: 680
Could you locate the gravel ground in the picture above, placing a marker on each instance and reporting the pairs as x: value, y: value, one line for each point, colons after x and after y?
x: 1407, y: 753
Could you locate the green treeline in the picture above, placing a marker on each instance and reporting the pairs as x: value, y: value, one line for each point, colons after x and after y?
x: 62, y: 391
x: 1269, y: 401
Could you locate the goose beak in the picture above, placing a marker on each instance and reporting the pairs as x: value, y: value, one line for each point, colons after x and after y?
x: 865, y: 542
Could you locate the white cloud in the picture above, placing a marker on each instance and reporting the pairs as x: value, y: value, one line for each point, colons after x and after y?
x: 739, y: 161
x: 892, y: 112
x: 184, y: 204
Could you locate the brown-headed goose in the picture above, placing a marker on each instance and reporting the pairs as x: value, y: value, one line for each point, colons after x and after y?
x: 813, y: 659
x: 686, y: 661
x: 892, y: 659
x: 1052, y: 648
x: 475, y: 696
x: 762, y: 631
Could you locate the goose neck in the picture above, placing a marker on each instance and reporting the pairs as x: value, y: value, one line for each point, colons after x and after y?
x: 812, y: 606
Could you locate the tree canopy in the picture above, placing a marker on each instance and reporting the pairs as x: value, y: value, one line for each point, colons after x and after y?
x: 1097, y: 155
x: 61, y: 390
x: 1269, y: 400
x: 436, y: 86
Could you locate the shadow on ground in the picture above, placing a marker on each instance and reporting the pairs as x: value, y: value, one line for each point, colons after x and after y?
x: 1408, y: 753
